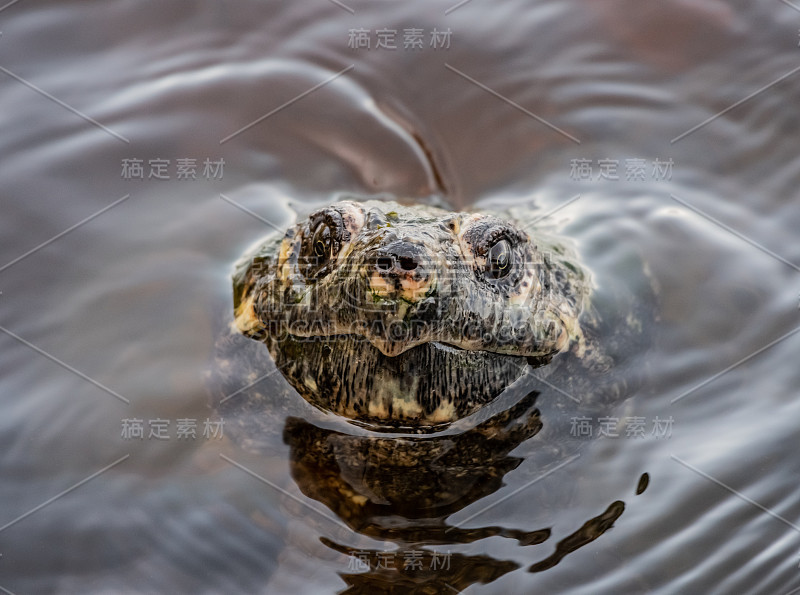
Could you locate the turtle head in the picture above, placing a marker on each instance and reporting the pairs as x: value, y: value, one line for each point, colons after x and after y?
x: 400, y: 277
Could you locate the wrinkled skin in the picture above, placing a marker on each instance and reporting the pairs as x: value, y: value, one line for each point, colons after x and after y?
x: 408, y: 316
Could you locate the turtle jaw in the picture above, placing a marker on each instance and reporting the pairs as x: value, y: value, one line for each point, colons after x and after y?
x: 388, y: 348
x: 556, y: 341
x: 424, y: 388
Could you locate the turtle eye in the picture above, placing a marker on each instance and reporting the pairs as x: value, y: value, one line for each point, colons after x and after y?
x: 498, y: 259
x: 321, y: 242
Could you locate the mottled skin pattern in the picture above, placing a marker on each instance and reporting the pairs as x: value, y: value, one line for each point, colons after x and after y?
x: 408, y: 316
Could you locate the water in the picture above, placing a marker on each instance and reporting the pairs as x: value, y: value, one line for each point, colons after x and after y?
x: 129, y: 298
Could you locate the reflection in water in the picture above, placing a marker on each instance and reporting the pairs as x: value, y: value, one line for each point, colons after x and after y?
x: 404, y: 489
x: 644, y: 481
x: 368, y: 482
x: 418, y: 571
x: 591, y: 530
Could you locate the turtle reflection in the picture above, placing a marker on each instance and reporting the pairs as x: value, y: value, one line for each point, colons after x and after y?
x: 403, y: 489
x: 371, y: 481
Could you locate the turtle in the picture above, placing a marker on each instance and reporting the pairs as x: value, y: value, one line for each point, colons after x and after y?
x: 402, y: 317
x: 419, y: 347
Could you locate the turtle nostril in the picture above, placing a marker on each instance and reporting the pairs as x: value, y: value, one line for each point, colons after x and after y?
x: 399, y: 259
x: 407, y: 264
x: 384, y: 263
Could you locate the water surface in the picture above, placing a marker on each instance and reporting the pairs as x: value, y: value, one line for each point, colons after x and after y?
x: 115, y: 320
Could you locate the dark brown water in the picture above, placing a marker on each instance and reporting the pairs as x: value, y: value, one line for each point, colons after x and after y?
x: 525, y: 99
